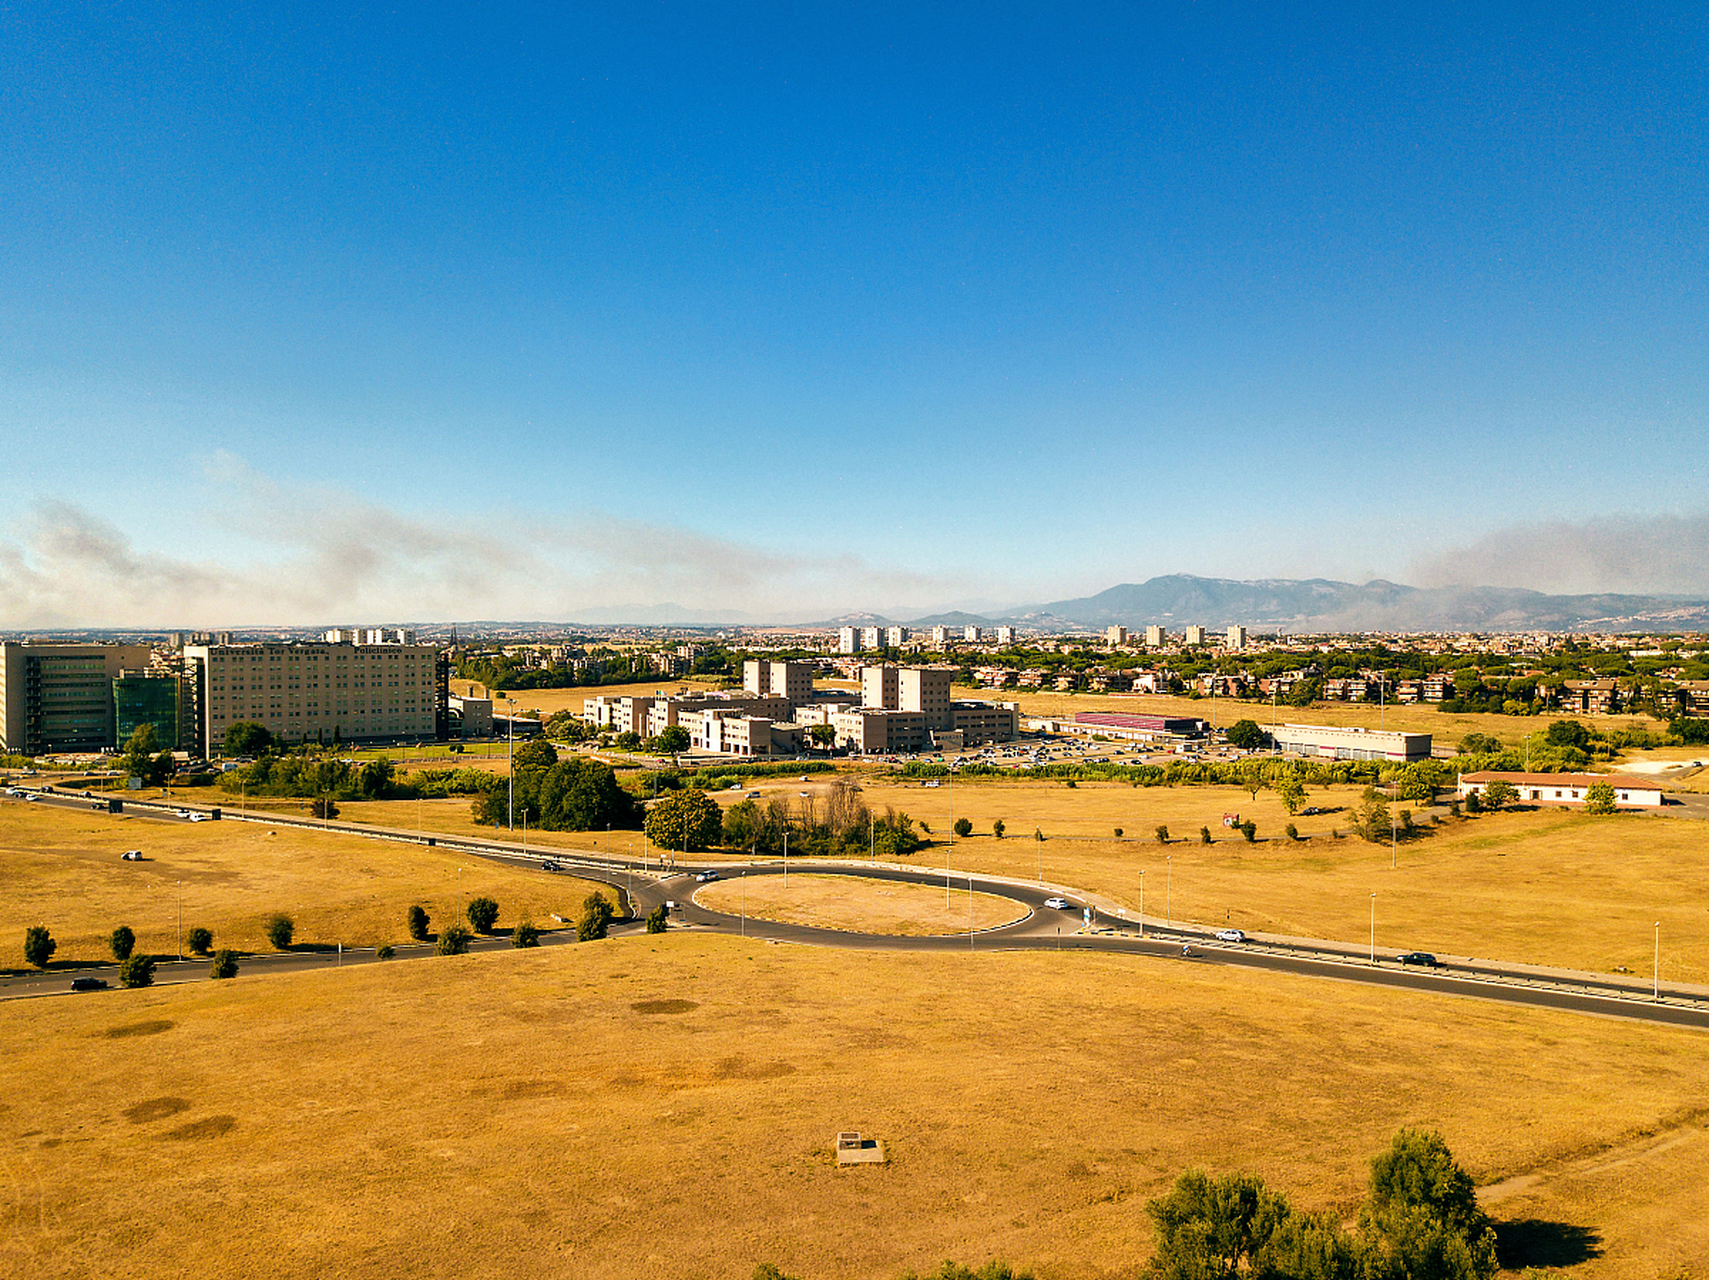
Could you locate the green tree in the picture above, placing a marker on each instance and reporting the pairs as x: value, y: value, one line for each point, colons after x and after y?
x: 658, y: 920
x: 1291, y: 831
x: 143, y: 757
x: 595, y: 918
x: 224, y: 965
x: 1249, y: 829
x: 122, y: 941
x: 246, y: 738
x: 1499, y: 793
x: 1478, y: 744
x: 1291, y: 791
x: 1204, y: 835
x: 482, y: 913
x: 384, y: 951
x: 280, y: 930
x: 963, y: 827
x: 138, y: 971
x: 1422, y: 1214
x: 1599, y: 798
x: 536, y: 753
x: 1253, y: 779
x: 1162, y: 833
x: 1214, y: 1228
x: 687, y: 821
x: 672, y: 742
x: 39, y: 945
x: 627, y: 741
x: 823, y: 736
x: 200, y: 940
x: 417, y: 923
x: 1568, y: 733
x: 453, y: 941
x: 1371, y: 816
x: 997, y: 828
x: 1246, y: 735
x: 323, y: 807
x: 956, y: 1271
x: 525, y: 935
x: 377, y: 779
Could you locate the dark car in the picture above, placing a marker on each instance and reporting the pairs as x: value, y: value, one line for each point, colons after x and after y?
x: 548, y: 866
x: 88, y: 984
x: 1419, y: 957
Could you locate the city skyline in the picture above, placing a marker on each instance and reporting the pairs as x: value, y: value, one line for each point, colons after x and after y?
x: 313, y: 314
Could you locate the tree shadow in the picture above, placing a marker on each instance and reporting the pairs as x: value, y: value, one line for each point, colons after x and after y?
x: 1533, y: 1242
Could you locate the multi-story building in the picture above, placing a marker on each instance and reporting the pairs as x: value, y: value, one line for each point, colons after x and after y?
x: 1590, y: 697
x: 1116, y: 635
x: 940, y: 636
x: 1237, y: 637
x: 321, y: 691
x: 666, y: 712
x: 880, y: 688
x: 792, y: 680
x: 1194, y: 636
x: 895, y: 637
x: 1004, y: 635
x: 848, y: 640
x: 147, y: 698
x: 970, y: 633
x: 1154, y: 637
x: 59, y: 697
x: 872, y: 637
x: 908, y: 708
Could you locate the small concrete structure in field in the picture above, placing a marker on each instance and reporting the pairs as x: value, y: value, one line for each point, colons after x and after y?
x: 853, y: 1149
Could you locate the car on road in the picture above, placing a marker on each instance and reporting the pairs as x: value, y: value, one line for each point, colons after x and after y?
x: 1419, y: 958
x: 753, y: 795
x: 131, y: 855
x: 200, y: 817
x: 88, y: 984
x: 706, y: 876
x: 549, y: 866
x: 1057, y: 904
x: 1230, y: 935
x: 31, y: 796
x: 181, y: 813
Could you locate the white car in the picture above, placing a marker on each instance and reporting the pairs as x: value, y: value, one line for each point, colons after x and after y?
x: 706, y: 877
x: 181, y: 813
x: 199, y: 817
x: 1057, y: 904
x: 1230, y: 935
x: 131, y: 855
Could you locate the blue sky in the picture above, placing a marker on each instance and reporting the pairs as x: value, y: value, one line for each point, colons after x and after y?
x: 315, y: 313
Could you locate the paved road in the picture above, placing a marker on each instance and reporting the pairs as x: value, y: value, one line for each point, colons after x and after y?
x: 1041, y: 928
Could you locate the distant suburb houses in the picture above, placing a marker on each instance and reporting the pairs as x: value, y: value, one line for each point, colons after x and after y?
x: 900, y: 709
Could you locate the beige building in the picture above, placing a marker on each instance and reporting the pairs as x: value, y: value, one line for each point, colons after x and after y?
x: 895, y: 637
x: 1567, y: 788
x: 792, y: 680
x: 848, y: 639
x: 1194, y: 636
x: 666, y: 712
x: 618, y: 715
x: 1237, y: 637
x: 1116, y: 636
x: 1154, y: 637
x: 1004, y: 635
x: 319, y: 691
x: 1343, y: 743
x: 940, y: 636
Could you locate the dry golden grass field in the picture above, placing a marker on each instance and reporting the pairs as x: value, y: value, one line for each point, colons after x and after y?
x: 1446, y: 728
x: 1536, y: 886
x: 861, y: 905
x: 61, y: 869
x: 666, y: 1106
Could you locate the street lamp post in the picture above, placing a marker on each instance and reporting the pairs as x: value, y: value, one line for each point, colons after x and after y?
x: 1656, y: 967
x: 181, y: 920
x: 1169, y: 894
x: 1142, y: 904
x: 1373, y: 928
x: 510, y: 768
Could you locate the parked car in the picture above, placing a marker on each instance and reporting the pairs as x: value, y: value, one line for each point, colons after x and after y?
x: 706, y: 876
x: 131, y: 855
x: 1230, y: 935
x: 1057, y: 904
x: 88, y: 984
x: 1420, y: 958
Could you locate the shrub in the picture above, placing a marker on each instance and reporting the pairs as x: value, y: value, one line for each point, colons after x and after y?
x: 657, y: 919
x: 1599, y: 798
x: 1499, y: 792
x: 1474, y: 802
x: 323, y: 807
x: 1162, y: 834
x: 525, y: 935
x: 225, y: 964
x: 123, y: 942
x: 418, y: 922
x: 963, y: 828
x: 200, y: 940
x: 483, y: 914
x: 1249, y: 829
x: 453, y: 941
x: 138, y: 971
x: 280, y: 930
x: 1291, y: 831
x: 997, y: 828
x: 1204, y: 835
x: 595, y: 918
x: 1406, y: 823
x: 1118, y: 833
x: 384, y: 951
x: 1071, y: 784
x: 39, y: 945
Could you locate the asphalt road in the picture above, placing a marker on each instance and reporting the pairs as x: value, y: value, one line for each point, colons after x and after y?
x: 1041, y: 928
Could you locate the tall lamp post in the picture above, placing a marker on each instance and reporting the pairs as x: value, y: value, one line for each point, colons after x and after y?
x: 1656, y: 967
x: 510, y: 768
x: 181, y: 921
x: 1373, y: 928
x: 1142, y: 904
x: 1169, y: 891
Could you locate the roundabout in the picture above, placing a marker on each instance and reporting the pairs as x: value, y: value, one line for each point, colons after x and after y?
x: 859, y: 904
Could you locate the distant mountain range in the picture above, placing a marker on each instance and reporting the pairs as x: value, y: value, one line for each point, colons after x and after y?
x: 1322, y: 605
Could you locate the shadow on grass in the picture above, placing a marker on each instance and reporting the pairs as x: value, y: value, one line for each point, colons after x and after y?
x: 1533, y: 1242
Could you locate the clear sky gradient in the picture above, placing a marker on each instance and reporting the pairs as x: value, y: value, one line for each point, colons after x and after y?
x: 345, y: 312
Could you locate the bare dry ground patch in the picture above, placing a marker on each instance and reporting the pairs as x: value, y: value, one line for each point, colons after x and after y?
x: 860, y: 905
x: 61, y: 869
x: 1540, y: 886
x: 666, y: 1106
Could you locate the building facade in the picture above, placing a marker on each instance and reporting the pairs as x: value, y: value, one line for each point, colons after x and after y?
x: 1567, y: 788
x: 1338, y: 743
x: 59, y: 697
